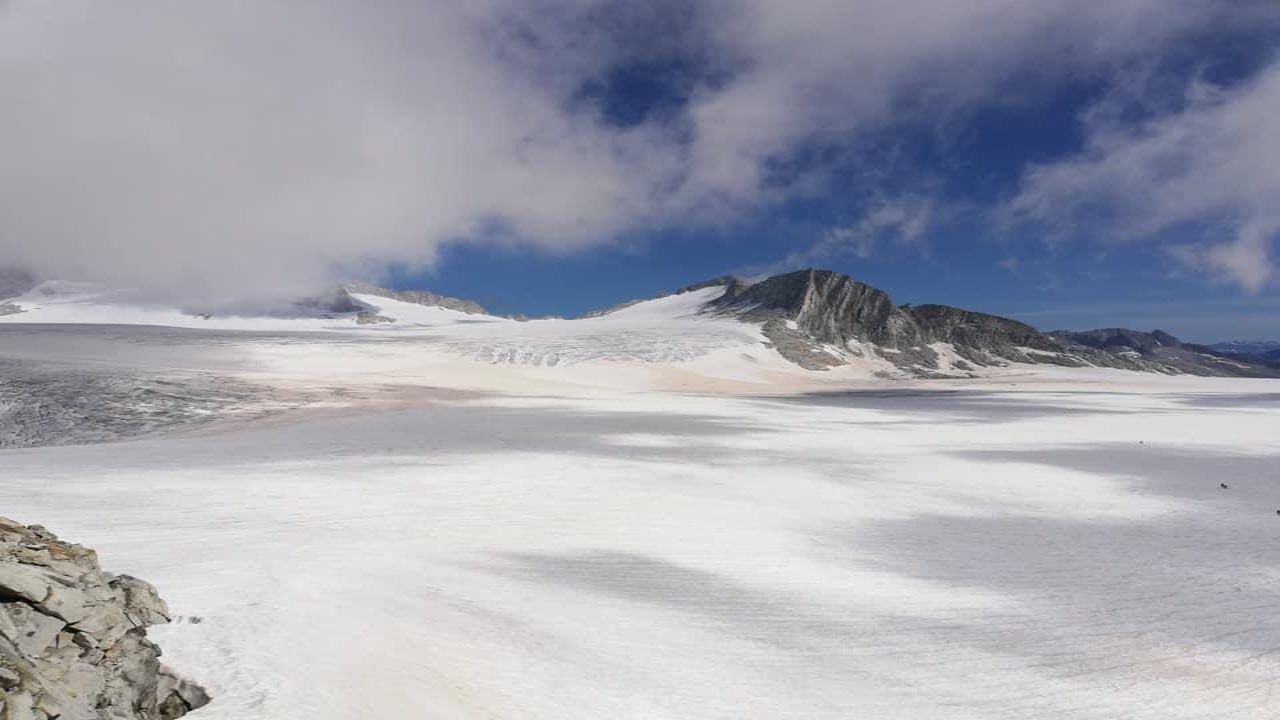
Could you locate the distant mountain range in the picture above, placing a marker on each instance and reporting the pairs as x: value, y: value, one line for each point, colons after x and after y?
x: 1267, y: 351
x: 816, y: 319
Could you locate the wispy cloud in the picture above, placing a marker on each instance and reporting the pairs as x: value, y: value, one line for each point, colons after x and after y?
x: 903, y: 220
x: 1209, y: 164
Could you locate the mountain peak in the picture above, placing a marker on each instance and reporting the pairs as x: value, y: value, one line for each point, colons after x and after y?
x: 818, y: 318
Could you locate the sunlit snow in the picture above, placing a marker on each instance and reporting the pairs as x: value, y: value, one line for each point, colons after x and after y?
x: 668, y: 521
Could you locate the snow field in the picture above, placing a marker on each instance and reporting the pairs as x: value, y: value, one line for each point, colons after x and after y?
x: 1050, y: 551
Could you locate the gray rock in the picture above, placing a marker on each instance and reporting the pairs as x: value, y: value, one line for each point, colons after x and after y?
x: 813, y: 317
x: 371, y: 318
x: 831, y: 310
x: 73, y: 641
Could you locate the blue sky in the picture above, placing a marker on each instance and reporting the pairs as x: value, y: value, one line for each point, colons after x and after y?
x: 963, y: 169
x: 1070, y: 164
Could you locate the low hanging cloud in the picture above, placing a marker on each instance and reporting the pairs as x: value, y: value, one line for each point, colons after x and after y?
x: 265, y: 145
x: 232, y: 147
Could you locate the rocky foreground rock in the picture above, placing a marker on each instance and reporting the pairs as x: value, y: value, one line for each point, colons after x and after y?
x: 73, y: 640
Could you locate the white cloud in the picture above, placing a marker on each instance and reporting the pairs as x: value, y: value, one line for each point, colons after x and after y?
x: 257, y: 143
x: 1211, y: 163
x: 225, y: 146
x: 902, y: 220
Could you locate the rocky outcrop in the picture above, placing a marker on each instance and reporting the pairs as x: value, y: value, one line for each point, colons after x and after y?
x: 73, y: 640
x: 372, y: 318
x: 987, y: 339
x: 835, y: 311
x: 818, y: 318
x: 830, y: 307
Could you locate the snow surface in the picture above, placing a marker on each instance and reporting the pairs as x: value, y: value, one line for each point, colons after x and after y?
x: 663, y: 330
x: 671, y: 522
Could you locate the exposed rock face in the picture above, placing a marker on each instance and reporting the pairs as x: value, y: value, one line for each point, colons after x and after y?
x: 419, y: 297
x: 837, y: 311
x: 816, y: 318
x: 73, y: 641
x: 372, y: 318
x: 830, y: 307
x: 969, y: 331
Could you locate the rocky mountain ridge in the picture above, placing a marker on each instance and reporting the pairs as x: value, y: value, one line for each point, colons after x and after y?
x: 821, y: 319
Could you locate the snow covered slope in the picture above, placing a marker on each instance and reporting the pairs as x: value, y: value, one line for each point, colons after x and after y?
x: 386, y: 334
x: 58, y: 302
x: 806, y: 321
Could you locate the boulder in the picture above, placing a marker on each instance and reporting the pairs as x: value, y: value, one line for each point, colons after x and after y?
x: 73, y: 639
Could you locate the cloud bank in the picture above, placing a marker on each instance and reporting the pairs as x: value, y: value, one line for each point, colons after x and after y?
x: 1210, y: 164
x: 244, y: 146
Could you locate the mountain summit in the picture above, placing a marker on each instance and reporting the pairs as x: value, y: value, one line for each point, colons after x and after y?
x: 820, y: 319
